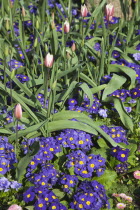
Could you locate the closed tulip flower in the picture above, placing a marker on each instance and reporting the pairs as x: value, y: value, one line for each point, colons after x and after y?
x: 84, y: 11
x: 49, y: 60
x: 18, y: 112
x: 66, y: 26
x: 109, y: 11
x: 14, y: 207
x: 73, y: 47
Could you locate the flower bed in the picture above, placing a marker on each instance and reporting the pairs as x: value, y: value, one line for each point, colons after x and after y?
x: 70, y: 105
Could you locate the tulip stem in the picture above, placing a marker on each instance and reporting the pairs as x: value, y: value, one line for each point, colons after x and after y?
x: 16, y: 143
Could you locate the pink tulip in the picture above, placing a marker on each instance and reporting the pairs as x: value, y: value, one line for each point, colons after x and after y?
x: 49, y: 60
x: 109, y: 11
x: 137, y: 174
x: 14, y: 207
x: 84, y: 11
x: 121, y: 205
x: 66, y: 26
x: 18, y: 112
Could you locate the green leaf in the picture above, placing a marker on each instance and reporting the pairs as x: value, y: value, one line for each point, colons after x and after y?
x: 23, y: 163
x: 29, y: 207
x: 5, y: 131
x: 87, y: 80
x: 125, y: 70
x: 98, y: 88
x: 115, y: 83
x: 134, y: 169
x: 107, y: 178
x: 87, y: 121
x: 58, y: 193
x: 55, y: 41
x: 132, y: 147
x: 64, y: 124
x: 27, y: 130
x: 87, y: 91
x: 71, y: 170
x: 102, y: 143
x: 125, y: 118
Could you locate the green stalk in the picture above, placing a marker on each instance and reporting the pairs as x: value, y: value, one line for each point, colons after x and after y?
x: 16, y: 142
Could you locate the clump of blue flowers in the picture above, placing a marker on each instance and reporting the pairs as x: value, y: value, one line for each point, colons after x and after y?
x: 90, y: 195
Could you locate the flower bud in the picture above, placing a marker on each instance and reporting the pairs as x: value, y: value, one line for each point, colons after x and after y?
x: 73, y: 47
x: 109, y: 11
x: 49, y: 60
x: 23, y: 12
x: 37, y: 24
x: 35, y: 42
x: 14, y: 207
x: 18, y: 112
x: 66, y: 26
x: 7, y: 25
x: 84, y: 11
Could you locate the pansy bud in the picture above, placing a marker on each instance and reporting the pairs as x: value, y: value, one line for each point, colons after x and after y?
x: 14, y: 207
x: 109, y: 11
x: 120, y: 205
x: 66, y: 26
x: 18, y: 112
x: 49, y: 60
x: 84, y: 11
x: 137, y: 174
x: 73, y: 47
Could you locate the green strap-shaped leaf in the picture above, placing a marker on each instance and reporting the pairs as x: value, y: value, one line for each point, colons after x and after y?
x: 27, y: 130
x: 5, y: 131
x: 87, y: 80
x: 98, y: 88
x: 115, y: 83
x: 18, y: 99
x: 86, y: 120
x: 88, y: 92
x: 64, y: 124
x: 23, y: 163
x: 126, y: 70
x: 125, y: 118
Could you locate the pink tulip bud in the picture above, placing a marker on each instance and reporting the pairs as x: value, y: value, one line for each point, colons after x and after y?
x: 66, y: 26
x: 109, y: 11
x: 14, y: 207
x: 49, y: 60
x: 18, y: 112
x: 121, y: 205
x: 73, y: 47
x: 84, y: 11
x: 137, y: 174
